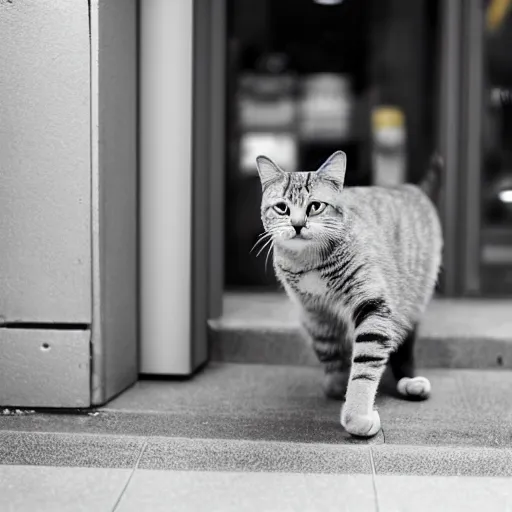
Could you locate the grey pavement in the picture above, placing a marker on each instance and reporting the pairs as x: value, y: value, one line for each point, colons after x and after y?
x: 279, y: 403
x: 49, y: 489
x: 263, y: 437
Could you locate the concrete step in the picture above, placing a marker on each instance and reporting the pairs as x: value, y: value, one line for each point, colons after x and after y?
x: 263, y: 328
x: 233, y: 417
x: 231, y: 455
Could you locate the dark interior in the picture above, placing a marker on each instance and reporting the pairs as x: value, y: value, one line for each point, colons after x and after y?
x: 386, y: 50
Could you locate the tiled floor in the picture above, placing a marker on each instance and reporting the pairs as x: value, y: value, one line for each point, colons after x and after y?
x: 443, y: 493
x: 50, y: 489
x: 263, y: 438
x: 247, y: 492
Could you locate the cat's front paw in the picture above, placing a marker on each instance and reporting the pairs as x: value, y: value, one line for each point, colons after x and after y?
x: 361, y: 425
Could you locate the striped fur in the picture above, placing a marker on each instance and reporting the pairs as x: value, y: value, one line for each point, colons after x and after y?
x: 362, y: 271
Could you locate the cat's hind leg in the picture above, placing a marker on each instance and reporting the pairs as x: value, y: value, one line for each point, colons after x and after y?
x: 402, y: 365
x: 336, y: 379
x: 331, y: 352
x: 330, y: 344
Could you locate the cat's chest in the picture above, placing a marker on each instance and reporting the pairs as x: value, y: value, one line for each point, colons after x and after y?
x: 311, y: 292
x: 313, y: 283
x: 308, y: 285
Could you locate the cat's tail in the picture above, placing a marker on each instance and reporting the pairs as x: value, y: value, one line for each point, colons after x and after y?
x: 431, y: 182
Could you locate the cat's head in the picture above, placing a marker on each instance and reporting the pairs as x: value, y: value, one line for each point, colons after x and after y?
x: 301, y: 210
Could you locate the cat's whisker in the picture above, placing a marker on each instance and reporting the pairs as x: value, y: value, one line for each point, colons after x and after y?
x: 271, y: 248
x: 267, y: 243
x: 263, y: 237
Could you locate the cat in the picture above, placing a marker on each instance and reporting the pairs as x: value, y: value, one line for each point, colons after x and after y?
x: 362, y: 264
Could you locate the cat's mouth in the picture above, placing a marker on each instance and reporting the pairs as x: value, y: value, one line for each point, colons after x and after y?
x: 297, y: 242
x: 299, y: 237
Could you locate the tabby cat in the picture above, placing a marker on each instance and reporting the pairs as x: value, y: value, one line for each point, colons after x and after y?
x: 362, y: 264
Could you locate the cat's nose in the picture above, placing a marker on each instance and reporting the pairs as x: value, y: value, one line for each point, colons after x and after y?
x: 298, y: 228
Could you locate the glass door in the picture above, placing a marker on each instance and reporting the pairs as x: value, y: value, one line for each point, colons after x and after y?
x: 485, y: 151
x: 323, y: 76
x: 496, y: 187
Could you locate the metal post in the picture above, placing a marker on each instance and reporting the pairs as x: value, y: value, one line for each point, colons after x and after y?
x: 471, y: 150
x: 449, y: 138
x: 166, y: 95
x: 182, y: 180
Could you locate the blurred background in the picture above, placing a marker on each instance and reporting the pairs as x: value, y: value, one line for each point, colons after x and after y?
x: 388, y: 82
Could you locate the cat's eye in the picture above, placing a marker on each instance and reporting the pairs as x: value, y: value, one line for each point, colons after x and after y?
x: 281, y: 208
x: 315, y: 208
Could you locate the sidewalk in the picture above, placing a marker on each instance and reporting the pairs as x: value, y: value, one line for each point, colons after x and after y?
x: 101, y: 490
x: 251, y: 437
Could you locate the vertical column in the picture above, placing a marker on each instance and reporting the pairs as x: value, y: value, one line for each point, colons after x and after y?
x: 449, y: 138
x: 216, y: 166
x: 471, y: 127
x: 166, y: 111
x: 113, y: 110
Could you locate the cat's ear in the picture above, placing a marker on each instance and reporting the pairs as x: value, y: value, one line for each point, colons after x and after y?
x: 268, y: 170
x: 334, y: 168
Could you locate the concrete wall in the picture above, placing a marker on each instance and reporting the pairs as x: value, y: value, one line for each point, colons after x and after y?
x: 68, y: 208
x: 114, y: 204
x: 45, y: 259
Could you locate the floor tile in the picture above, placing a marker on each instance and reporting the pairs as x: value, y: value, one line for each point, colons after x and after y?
x: 75, y: 450
x: 46, y: 489
x: 248, y: 492
x: 232, y: 455
x: 442, y: 461
x: 449, y: 493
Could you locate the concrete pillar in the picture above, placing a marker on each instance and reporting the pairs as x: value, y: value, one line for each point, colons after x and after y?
x: 68, y: 294
x: 182, y: 180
